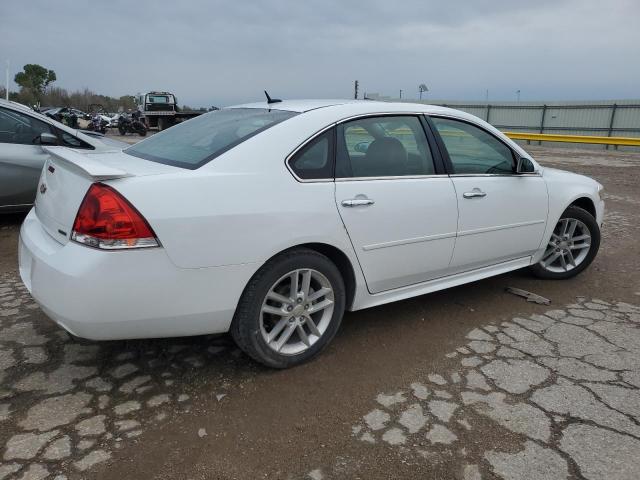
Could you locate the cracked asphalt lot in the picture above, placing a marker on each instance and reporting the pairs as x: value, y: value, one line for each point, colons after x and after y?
x: 470, y: 383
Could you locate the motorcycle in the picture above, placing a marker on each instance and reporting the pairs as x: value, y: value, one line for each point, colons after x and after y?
x: 96, y: 124
x: 131, y: 125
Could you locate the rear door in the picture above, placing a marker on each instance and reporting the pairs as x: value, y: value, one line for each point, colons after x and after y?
x: 502, y: 214
x: 21, y: 157
x: 398, y: 206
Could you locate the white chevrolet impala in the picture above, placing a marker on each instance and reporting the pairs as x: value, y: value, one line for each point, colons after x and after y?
x: 269, y: 220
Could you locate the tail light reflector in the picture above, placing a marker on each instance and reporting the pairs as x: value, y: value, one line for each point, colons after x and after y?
x: 108, y: 221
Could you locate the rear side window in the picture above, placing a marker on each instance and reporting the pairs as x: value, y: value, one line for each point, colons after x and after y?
x: 472, y: 150
x: 386, y: 146
x: 315, y: 160
x: 196, y: 142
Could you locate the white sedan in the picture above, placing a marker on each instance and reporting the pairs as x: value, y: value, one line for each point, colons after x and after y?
x: 269, y: 220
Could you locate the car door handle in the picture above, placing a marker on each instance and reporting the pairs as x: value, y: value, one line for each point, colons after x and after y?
x: 357, y: 202
x: 476, y: 192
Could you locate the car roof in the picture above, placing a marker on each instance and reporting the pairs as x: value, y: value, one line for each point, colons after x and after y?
x: 358, y: 106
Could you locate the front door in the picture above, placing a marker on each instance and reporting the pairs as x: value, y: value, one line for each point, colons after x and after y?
x: 399, y: 212
x: 502, y: 214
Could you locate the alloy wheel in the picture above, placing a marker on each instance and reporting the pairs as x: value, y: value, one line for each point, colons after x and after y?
x: 568, y: 247
x: 296, y: 311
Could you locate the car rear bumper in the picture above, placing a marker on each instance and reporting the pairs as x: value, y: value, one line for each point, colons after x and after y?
x: 109, y: 295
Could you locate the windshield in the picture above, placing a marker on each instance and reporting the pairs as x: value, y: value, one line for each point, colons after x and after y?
x: 196, y: 142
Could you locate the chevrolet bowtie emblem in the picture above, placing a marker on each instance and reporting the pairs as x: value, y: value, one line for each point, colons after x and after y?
x: 43, y: 188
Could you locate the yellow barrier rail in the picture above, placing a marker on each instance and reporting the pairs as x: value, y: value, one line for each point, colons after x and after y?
x: 550, y: 137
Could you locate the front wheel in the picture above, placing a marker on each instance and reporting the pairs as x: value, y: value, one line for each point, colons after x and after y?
x: 573, y: 245
x: 122, y: 130
x: 290, y: 310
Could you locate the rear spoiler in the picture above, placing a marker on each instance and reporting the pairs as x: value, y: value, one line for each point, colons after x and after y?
x: 86, y: 166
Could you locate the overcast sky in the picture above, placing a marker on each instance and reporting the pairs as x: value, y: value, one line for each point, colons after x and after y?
x: 220, y: 53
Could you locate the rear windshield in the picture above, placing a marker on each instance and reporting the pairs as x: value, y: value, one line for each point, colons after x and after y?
x: 157, y: 99
x: 192, y: 144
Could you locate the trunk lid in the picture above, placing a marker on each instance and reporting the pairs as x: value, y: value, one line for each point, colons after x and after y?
x: 68, y: 174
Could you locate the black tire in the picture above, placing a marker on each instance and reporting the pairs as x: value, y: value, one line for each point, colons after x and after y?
x: 142, y: 132
x: 245, y: 328
x: 122, y: 130
x: 587, y: 219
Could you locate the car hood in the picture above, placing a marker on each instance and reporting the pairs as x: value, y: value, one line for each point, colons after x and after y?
x: 557, y: 174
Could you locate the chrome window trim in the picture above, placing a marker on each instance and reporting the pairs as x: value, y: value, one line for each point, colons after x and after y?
x: 414, y: 177
x: 397, y: 177
x: 531, y: 174
x: 381, y: 114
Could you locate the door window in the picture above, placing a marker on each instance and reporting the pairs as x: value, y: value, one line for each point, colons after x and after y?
x: 315, y: 159
x: 473, y: 150
x: 388, y: 146
x: 16, y: 127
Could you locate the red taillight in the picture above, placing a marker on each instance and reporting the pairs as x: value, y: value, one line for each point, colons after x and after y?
x: 107, y: 220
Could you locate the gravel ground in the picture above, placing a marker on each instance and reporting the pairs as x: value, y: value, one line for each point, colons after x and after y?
x: 470, y: 383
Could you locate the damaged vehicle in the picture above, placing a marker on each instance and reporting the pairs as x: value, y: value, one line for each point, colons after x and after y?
x: 270, y: 220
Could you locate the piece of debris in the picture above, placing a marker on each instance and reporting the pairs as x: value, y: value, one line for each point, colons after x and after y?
x: 220, y: 396
x: 202, y: 433
x: 531, y: 297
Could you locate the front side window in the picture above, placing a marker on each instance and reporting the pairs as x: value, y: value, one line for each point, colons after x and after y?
x: 17, y: 127
x: 196, y: 142
x: 473, y: 150
x: 315, y: 159
x: 388, y: 146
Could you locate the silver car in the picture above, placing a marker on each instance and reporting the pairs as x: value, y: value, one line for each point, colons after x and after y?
x: 23, y: 132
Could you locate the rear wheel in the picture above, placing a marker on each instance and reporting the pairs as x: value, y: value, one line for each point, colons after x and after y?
x: 573, y: 245
x: 290, y: 310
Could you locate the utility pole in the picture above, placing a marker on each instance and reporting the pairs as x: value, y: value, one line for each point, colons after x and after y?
x: 400, y: 94
x: 355, y: 93
x: 422, y: 88
x: 518, y: 95
x: 486, y: 96
x: 6, y: 93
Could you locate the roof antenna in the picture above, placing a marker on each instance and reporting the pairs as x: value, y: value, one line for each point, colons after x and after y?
x: 271, y: 100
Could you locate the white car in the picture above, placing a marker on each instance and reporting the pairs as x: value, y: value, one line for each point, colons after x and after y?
x: 269, y: 220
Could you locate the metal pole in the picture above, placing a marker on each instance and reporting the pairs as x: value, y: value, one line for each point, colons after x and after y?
x: 6, y: 93
x: 488, y: 112
x: 400, y: 94
x: 544, y: 114
x: 611, y: 120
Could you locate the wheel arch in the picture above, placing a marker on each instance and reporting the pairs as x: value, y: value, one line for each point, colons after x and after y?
x: 337, y: 256
x: 584, y: 203
x: 340, y: 260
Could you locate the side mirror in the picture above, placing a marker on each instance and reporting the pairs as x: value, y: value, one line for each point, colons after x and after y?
x: 524, y: 165
x: 48, y: 139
